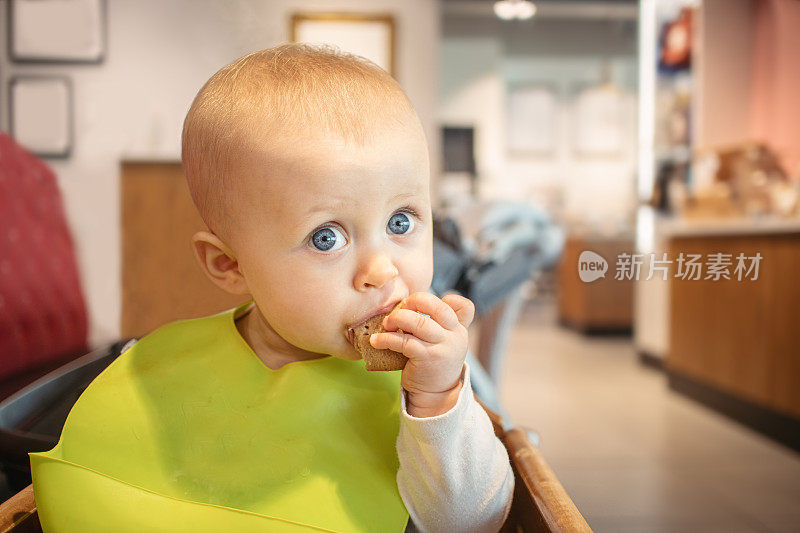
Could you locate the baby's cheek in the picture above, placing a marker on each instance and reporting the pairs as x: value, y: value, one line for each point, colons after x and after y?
x: 418, y: 273
x: 315, y: 304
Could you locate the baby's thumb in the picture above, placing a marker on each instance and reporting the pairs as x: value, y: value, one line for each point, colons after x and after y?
x: 464, y: 308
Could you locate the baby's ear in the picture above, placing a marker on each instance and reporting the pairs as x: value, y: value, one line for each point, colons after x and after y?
x: 218, y: 263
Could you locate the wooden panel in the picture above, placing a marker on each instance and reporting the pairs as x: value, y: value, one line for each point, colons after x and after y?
x: 721, y: 329
x: 783, y: 328
x: 571, y: 297
x: 602, y: 304
x: 161, y: 280
x: 740, y: 336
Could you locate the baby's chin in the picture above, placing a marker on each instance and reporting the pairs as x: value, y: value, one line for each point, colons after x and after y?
x: 349, y: 357
x: 349, y: 353
x: 345, y: 350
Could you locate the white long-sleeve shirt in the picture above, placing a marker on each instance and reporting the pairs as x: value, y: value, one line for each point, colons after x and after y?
x: 454, y: 474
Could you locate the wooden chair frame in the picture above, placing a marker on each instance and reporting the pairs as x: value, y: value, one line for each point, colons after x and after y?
x: 540, y: 502
x: 18, y: 513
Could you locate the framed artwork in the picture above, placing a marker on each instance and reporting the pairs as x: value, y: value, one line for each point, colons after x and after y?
x: 598, y: 120
x: 532, y: 120
x: 370, y: 36
x: 40, y: 114
x: 56, y: 31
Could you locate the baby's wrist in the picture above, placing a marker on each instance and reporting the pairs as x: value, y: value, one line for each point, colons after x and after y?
x: 428, y: 404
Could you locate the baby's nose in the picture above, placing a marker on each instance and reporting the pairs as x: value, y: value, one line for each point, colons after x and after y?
x: 377, y: 270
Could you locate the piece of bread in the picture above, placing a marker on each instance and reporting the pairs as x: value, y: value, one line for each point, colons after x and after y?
x: 376, y: 359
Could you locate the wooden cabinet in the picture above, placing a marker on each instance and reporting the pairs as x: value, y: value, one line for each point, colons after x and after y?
x: 605, y: 304
x: 161, y: 280
x: 741, y: 337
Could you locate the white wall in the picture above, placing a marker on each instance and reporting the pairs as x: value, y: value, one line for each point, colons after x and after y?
x: 472, y: 93
x: 159, y: 53
x: 480, y: 58
x: 723, y: 72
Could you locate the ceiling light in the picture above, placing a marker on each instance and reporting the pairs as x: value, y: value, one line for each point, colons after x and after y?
x: 514, y: 9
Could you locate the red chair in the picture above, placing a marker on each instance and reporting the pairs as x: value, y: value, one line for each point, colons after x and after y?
x: 42, y: 311
x: 43, y: 321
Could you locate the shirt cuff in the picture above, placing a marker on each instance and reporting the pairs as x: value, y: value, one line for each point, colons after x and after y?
x: 436, y: 428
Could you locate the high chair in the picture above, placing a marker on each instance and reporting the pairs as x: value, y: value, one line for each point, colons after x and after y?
x: 540, y: 502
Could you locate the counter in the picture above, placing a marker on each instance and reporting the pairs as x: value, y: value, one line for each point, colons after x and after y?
x: 737, y: 343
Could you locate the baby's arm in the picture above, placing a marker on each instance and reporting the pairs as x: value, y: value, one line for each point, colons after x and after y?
x: 454, y: 472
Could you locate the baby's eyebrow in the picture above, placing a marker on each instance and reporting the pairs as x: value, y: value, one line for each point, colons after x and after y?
x: 324, y: 208
x: 333, y: 205
x: 302, y: 220
x: 404, y: 195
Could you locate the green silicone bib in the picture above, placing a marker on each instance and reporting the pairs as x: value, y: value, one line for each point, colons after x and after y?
x: 189, y: 431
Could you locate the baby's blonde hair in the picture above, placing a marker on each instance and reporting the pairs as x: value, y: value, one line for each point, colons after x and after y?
x: 276, y: 93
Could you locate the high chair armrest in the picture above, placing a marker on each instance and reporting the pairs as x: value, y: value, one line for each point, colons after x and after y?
x: 540, y: 502
x: 18, y: 513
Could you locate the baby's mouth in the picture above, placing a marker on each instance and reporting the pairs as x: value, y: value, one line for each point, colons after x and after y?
x: 384, y: 309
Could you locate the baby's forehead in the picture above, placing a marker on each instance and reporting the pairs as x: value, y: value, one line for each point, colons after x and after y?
x: 286, y: 178
x: 323, y: 163
x: 308, y: 195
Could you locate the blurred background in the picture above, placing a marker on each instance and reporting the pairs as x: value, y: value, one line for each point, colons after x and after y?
x: 616, y: 185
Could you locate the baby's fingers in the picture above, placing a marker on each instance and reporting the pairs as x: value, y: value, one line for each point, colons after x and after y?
x: 463, y: 307
x: 431, y: 305
x: 404, y: 343
x: 421, y: 326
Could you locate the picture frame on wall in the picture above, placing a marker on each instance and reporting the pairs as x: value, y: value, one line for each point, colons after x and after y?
x: 56, y: 31
x: 598, y: 129
x: 40, y: 114
x: 532, y: 119
x: 367, y: 35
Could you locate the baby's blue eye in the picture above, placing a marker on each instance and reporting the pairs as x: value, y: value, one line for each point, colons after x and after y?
x: 400, y: 223
x: 328, y: 239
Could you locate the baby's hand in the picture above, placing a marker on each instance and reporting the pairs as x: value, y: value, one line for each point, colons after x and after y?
x: 435, y: 345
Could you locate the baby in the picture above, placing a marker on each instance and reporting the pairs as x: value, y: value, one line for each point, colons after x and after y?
x: 310, y: 168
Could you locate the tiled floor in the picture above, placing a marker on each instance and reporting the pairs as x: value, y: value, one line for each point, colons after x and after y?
x: 634, y: 456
